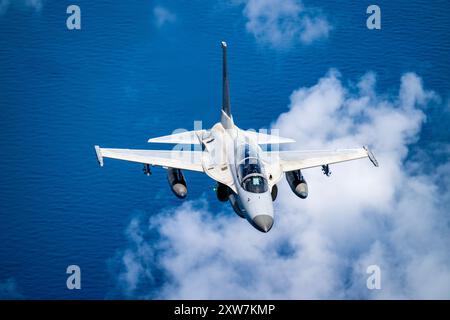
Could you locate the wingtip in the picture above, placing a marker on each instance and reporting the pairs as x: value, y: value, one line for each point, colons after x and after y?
x: 286, y: 140
x: 98, y: 152
x: 162, y: 139
x: 371, y: 156
x: 289, y: 140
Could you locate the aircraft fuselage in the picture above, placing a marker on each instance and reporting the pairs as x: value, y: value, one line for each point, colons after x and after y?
x: 241, y: 157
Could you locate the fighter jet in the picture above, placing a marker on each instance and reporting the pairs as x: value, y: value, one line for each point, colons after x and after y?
x: 245, y: 173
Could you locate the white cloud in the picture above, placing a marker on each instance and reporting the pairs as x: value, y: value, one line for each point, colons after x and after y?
x: 394, y: 216
x: 163, y: 16
x: 314, y: 28
x: 4, y: 4
x: 8, y: 289
x: 283, y: 22
x: 36, y: 5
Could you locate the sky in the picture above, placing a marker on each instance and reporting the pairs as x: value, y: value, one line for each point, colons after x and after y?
x: 310, y: 69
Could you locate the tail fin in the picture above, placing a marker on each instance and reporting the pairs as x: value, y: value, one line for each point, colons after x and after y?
x: 226, y: 118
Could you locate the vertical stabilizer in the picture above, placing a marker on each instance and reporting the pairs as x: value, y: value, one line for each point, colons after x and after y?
x: 226, y: 119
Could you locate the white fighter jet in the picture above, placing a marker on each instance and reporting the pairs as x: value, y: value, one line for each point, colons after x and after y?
x: 246, y: 175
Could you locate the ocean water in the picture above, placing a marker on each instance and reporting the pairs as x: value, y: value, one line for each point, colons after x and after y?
x: 122, y: 79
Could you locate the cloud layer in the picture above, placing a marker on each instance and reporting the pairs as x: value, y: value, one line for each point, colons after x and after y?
x: 36, y: 5
x: 8, y: 290
x: 163, y: 16
x: 394, y: 216
x: 281, y: 23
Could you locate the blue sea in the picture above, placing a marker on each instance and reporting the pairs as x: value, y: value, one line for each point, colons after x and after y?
x: 122, y: 79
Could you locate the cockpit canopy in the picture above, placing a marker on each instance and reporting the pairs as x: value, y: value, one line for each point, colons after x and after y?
x: 255, y: 184
x: 251, y: 176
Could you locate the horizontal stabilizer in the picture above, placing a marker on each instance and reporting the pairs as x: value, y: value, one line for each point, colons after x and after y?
x: 262, y: 138
x: 188, y: 137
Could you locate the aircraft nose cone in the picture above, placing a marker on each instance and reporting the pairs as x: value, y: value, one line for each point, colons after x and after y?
x: 263, y: 222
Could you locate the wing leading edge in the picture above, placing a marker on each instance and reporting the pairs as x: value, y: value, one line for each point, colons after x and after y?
x: 186, y: 160
x: 295, y: 160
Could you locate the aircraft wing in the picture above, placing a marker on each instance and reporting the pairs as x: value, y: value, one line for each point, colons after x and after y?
x: 187, y: 160
x: 295, y: 160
